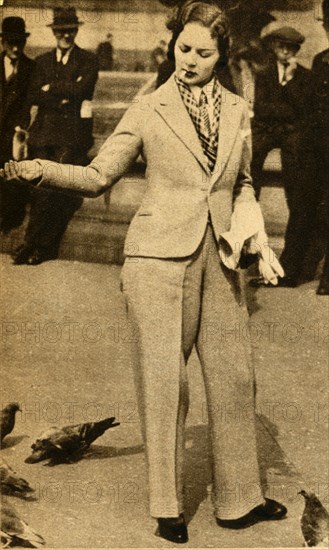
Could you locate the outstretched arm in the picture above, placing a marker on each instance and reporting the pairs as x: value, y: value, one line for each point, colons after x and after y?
x: 114, y: 159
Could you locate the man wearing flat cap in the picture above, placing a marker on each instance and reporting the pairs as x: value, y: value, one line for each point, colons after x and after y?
x: 62, y: 88
x: 284, y: 118
x: 15, y: 73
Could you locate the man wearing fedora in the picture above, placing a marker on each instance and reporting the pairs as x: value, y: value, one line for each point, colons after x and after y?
x: 284, y: 118
x: 62, y: 88
x: 15, y: 74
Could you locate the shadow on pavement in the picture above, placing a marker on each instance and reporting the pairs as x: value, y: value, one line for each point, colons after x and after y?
x: 102, y: 451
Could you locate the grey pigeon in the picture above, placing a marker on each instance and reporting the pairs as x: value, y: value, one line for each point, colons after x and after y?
x: 14, y: 531
x: 314, y: 521
x: 68, y: 444
x: 11, y: 483
x: 7, y: 419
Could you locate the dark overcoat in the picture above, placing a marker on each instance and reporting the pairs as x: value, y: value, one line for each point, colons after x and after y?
x: 59, y: 120
x: 14, y: 109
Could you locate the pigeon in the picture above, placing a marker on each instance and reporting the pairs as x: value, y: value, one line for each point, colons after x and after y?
x: 7, y: 419
x: 11, y: 483
x: 68, y: 444
x: 314, y: 521
x: 14, y: 531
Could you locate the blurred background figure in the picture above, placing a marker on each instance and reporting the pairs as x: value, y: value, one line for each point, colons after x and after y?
x: 284, y: 109
x: 246, y: 62
x: 167, y: 67
x: 62, y: 87
x: 105, y: 54
x: 321, y: 69
x: 15, y: 74
x: 158, y: 55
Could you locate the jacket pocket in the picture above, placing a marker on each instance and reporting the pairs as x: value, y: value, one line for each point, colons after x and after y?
x: 144, y: 213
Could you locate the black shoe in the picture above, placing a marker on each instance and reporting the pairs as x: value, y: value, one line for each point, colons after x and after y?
x: 173, y: 529
x: 22, y: 255
x: 39, y: 257
x: 269, y: 511
x: 323, y: 288
x: 283, y: 282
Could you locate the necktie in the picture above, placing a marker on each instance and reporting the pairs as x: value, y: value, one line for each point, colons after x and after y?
x: 62, y: 54
x: 204, y: 114
x: 207, y: 133
x: 284, y: 76
x: 13, y: 63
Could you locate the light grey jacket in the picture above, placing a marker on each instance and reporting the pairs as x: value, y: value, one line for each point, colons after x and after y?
x: 181, y: 191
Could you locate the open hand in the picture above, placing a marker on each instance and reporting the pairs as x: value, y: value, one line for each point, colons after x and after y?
x: 270, y: 270
x: 269, y: 266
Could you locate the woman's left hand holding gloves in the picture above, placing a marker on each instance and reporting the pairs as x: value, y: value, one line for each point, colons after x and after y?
x: 27, y: 170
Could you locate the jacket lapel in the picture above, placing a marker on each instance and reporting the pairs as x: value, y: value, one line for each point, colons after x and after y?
x: 74, y: 58
x: 171, y: 108
x: 22, y: 72
x: 229, y: 124
x: 13, y: 86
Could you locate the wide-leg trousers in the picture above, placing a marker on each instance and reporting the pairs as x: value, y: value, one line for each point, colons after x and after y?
x: 173, y: 304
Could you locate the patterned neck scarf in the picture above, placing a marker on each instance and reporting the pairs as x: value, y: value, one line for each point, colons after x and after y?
x: 207, y: 131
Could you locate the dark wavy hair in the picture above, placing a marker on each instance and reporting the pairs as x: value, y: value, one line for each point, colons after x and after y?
x: 208, y: 14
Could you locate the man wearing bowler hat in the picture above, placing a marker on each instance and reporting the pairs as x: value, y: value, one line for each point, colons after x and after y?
x: 62, y: 88
x: 284, y: 118
x: 15, y: 73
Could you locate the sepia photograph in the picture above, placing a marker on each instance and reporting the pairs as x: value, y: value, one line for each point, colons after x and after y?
x: 164, y: 274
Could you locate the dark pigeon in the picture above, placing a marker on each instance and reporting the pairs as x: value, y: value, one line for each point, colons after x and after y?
x: 7, y: 419
x: 14, y: 531
x: 314, y: 521
x: 11, y: 483
x: 68, y: 444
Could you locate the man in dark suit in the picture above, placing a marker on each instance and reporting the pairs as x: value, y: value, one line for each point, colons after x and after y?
x: 284, y: 111
x: 62, y: 87
x: 15, y: 74
x: 321, y: 69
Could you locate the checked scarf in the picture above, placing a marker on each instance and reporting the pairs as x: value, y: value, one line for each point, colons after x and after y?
x: 207, y: 132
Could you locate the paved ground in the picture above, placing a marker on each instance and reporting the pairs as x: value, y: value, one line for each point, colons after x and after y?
x: 65, y: 358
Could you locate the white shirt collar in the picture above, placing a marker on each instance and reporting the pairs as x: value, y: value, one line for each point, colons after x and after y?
x: 65, y: 57
x: 9, y: 69
x: 208, y: 90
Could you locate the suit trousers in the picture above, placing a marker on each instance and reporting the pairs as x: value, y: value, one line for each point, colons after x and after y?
x: 14, y: 198
x: 291, y: 140
x: 51, y: 211
x: 173, y: 304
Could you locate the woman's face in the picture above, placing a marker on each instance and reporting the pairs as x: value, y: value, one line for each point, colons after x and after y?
x: 196, y: 54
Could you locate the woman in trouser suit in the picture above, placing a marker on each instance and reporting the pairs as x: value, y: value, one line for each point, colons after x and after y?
x: 179, y: 278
